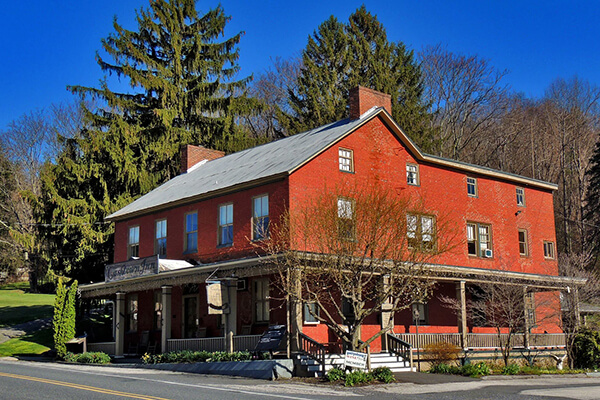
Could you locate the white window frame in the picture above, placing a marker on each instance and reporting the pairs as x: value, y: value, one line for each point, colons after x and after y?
x: 412, y: 174
x: 346, y: 224
x: 523, y: 244
x: 421, y: 231
x: 475, y: 235
x: 158, y: 230
x: 187, y: 238
x: 132, y: 312
x: 133, y: 242
x: 308, y: 317
x: 227, y: 209
x: 549, y: 250
x: 260, y: 217
x: 472, y: 183
x: 423, y: 312
x: 520, y: 196
x: 260, y: 293
x: 346, y: 160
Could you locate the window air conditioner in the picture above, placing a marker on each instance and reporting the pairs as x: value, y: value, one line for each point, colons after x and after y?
x: 488, y: 253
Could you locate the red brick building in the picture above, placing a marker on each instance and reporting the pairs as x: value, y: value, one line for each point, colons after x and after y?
x: 204, y: 224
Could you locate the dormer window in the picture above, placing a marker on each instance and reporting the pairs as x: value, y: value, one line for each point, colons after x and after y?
x: 346, y: 160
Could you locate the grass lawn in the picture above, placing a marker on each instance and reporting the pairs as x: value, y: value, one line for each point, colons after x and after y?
x: 18, y: 306
x: 35, y: 343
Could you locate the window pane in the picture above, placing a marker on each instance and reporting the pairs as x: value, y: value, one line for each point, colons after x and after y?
x: 344, y: 208
x: 191, y: 222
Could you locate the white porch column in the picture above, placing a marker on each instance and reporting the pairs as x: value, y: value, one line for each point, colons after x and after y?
x: 576, y: 307
x: 166, y: 318
x: 387, y: 316
x: 461, y: 294
x: 528, y: 308
x: 120, y: 324
x: 231, y: 314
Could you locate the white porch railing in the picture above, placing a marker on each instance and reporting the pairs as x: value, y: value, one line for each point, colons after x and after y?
x: 105, y: 347
x: 240, y: 343
x: 484, y: 340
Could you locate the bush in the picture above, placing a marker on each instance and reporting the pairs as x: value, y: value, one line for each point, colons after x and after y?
x: 88, y: 358
x: 383, y: 374
x: 335, y: 375
x: 188, y: 356
x: 475, y: 370
x: 586, y: 349
x: 511, y: 369
x: 358, y: 377
x: 442, y: 352
x: 441, y: 368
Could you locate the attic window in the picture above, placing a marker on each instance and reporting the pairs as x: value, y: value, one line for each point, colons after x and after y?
x: 346, y: 160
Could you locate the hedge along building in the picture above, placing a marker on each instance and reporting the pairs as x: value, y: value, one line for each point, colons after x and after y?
x: 204, y: 225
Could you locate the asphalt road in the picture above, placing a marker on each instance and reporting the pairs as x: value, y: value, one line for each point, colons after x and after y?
x: 35, y: 380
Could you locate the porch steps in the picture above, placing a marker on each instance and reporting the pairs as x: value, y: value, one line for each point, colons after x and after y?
x: 308, y: 367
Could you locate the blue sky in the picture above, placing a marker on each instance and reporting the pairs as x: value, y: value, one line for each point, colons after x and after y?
x: 47, y: 45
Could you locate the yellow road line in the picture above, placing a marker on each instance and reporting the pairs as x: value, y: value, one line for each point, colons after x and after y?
x: 83, y: 387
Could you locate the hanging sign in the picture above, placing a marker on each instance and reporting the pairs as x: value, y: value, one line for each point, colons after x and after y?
x: 217, y: 298
x: 131, y: 269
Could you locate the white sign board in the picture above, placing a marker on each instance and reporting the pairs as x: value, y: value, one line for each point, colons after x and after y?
x: 217, y: 299
x: 355, y: 359
x: 131, y: 269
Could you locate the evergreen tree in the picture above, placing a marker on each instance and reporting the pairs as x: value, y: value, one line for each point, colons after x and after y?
x: 183, y: 91
x: 64, y: 316
x: 339, y: 57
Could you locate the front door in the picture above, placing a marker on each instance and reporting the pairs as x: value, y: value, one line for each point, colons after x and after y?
x: 190, y: 316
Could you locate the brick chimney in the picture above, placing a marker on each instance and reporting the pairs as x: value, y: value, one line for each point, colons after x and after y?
x: 363, y: 99
x: 192, y: 155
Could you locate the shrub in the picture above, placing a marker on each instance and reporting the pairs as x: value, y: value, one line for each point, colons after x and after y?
x: 511, y: 369
x: 63, y: 321
x: 358, y: 377
x: 188, y: 356
x: 441, y: 368
x: 442, y: 352
x: 587, y: 349
x: 336, y: 374
x: 88, y: 358
x: 475, y: 370
x: 383, y: 374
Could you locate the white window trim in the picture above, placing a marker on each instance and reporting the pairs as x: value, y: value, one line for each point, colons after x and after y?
x: 553, y: 250
x: 307, y: 313
x: 341, y: 165
x: 526, y: 253
x: 219, y: 226
x: 156, y: 238
x: 254, y: 219
x: 186, y: 246
x: 477, y: 239
x: 521, y: 204
x: 475, y: 184
x: 417, y: 180
x: 130, y: 245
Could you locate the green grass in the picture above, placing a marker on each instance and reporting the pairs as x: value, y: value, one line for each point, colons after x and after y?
x: 18, y: 306
x: 35, y: 343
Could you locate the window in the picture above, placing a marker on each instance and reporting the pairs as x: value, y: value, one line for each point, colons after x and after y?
x: 133, y: 242
x: 191, y: 232
x: 412, y: 174
x: 471, y: 186
x: 157, y: 309
x: 523, y: 248
x: 260, y: 217
x: 521, y: 197
x: 226, y: 225
x: 420, y: 232
x: 346, y: 160
x: 311, y: 311
x: 548, y: 249
x: 261, y: 300
x: 132, y: 312
x: 345, y: 218
x: 479, y: 240
x: 160, y: 241
x: 422, y: 310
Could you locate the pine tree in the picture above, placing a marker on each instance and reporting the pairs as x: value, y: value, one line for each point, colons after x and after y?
x: 63, y: 321
x: 183, y: 91
x: 339, y: 57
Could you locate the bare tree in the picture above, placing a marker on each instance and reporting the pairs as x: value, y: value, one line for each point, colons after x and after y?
x: 576, y: 265
x: 352, y: 252
x: 466, y: 94
x: 29, y: 142
x: 271, y: 89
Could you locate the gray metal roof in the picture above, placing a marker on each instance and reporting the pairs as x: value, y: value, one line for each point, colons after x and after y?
x: 277, y: 159
x: 267, y: 160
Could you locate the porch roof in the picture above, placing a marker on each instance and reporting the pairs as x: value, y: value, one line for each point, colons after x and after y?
x: 256, y: 266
